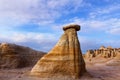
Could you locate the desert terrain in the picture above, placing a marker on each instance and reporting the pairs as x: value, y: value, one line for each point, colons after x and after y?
x: 96, y: 71
x: 98, y: 68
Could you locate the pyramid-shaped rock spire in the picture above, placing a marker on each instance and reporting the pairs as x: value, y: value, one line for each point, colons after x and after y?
x: 64, y: 59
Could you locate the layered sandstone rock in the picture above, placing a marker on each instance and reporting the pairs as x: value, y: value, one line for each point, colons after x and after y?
x: 117, y: 54
x: 116, y: 60
x: 14, y: 56
x: 89, y: 54
x: 64, y: 59
x: 8, y: 57
x: 103, y: 52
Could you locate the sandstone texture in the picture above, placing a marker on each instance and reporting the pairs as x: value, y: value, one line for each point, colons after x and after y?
x: 108, y: 52
x: 110, y: 56
x: 14, y: 56
x: 64, y: 59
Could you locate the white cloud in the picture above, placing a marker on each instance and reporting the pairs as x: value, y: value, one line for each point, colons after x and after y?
x: 40, y: 41
x: 115, y: 31
x: 96, y: 24
x: 17, y: 12
x: 105, y: 10
x: 24, y: 37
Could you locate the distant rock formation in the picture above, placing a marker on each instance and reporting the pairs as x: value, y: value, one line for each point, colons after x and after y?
x: 116, y: 60
x: 108, y: 52
x: 14, y: 56
x: 118, y: 54
x: 64, y: 59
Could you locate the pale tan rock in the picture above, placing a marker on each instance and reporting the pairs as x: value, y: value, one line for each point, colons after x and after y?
x: 64, y: 59
x: 115, y: 61
x: 109, y: 47
x: 118, y: 54
x: 102, y: 47
x: 97, y: 52
x: 90, y: 54
x: 103, y: 52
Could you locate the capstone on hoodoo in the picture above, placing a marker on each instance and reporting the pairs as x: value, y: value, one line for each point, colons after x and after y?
x: 64, y: 59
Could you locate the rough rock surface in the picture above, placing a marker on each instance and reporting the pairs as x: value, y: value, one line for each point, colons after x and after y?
x: 14, y: 56
x: 108, y: 52
x: 64, y: 59
x: 117, y: 54
x: 116, y: 60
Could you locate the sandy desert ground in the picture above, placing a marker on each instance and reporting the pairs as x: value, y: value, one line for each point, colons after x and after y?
x: 96, y: 71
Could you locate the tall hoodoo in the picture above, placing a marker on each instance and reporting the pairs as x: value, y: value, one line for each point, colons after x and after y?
x: 64, y: 59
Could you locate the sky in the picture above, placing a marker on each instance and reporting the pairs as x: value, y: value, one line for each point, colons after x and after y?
x: 38, y: 23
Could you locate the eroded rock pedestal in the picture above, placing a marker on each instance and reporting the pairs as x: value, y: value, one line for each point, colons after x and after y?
x: 64, y: 59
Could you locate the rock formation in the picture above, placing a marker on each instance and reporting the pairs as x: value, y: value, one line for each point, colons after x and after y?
x: 64, y: 59
x: 108, y: 52
x: 115, y: 61
x: 14, y: 56
x: 89, y: 54
x: 117, y: 54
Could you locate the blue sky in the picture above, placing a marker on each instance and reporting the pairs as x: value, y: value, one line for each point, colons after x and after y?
x: 38, y: 23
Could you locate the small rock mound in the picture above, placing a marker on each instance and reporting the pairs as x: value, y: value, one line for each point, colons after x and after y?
x: 14, y: 56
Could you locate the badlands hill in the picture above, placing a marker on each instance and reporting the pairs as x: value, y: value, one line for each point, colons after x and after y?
x: 15, y: 56
x: 108, y: 55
